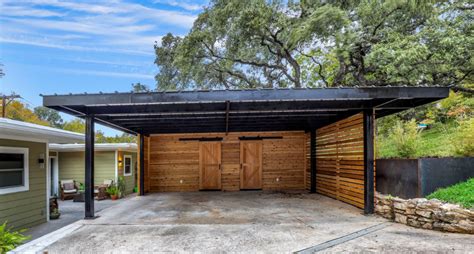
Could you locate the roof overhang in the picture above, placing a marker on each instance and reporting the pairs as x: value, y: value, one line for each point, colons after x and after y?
x: 129, y: 147
x: 12, y: 129
x: 239, y: 110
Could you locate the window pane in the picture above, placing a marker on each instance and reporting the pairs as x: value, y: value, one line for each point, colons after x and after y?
x: 11, y: 160
x: 11, y: 179
x: 128, y: 166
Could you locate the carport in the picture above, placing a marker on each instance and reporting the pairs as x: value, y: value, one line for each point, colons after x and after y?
x: 316, y: 140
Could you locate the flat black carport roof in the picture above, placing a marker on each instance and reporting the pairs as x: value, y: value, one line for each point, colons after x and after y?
x: 238, y: 110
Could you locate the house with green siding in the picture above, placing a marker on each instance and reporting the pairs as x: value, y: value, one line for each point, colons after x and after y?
x: 26, y: 172
x: 111, y: 161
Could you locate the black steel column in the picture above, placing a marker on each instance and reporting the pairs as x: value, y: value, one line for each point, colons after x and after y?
x: 89, y: 168
x: 369, y: 161
x: 142, y: 165
x: 313, y: 160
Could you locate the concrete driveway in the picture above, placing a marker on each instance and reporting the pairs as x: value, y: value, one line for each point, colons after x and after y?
x: 247, y: 222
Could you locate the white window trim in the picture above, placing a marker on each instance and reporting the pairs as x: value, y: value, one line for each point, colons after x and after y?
x: 131, y: 165
x: 26, y: 177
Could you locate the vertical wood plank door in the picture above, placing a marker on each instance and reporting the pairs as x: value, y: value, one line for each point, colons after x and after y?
x: 251, y: 165
x: 210, y: 165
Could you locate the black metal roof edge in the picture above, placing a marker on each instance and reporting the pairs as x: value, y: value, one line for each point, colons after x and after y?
x: 230, y: 90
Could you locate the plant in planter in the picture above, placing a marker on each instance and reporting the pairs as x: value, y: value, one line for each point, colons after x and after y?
x: 113, y: 191
x: 121, y: 186
x: 9, y: 239
x: 82, y: 187
x: 54, y: 214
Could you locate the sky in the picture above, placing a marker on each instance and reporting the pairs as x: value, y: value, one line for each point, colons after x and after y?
x: 62, y: 47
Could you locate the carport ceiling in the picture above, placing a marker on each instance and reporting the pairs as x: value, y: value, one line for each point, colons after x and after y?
x: 238, y: 110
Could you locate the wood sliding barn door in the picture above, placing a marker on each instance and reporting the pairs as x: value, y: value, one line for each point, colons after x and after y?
x: 251, y: 165
x: 209, y: 165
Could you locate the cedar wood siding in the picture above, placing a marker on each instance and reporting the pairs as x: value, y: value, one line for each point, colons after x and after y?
x: 27, y: 208
x: 173, y: 165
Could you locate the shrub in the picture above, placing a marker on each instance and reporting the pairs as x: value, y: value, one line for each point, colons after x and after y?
x: 121, y: 186
x: 9, y: 239
x: 112, y: 190
x: 405, y: 137
x: 463, y: 142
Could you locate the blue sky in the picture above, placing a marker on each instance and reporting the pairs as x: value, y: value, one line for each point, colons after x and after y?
x: 53, y: 46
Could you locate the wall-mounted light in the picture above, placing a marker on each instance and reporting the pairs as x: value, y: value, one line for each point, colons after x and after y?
x: 41, y: 160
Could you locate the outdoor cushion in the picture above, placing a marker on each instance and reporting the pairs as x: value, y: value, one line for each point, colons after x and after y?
x: 68, y: 186
x: 70, y: 191
x: 108, y: 182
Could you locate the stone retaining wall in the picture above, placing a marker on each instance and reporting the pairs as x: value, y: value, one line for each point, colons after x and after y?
x: 427, y: 214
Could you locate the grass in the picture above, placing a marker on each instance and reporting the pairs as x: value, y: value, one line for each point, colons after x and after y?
x: 434, y: 142
x: 461, y: 193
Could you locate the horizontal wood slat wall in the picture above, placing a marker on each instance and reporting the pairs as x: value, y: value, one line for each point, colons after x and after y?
x: 147, y: 163
x: 340, y: 160
x: 174, y: 164
x: 308, y: 161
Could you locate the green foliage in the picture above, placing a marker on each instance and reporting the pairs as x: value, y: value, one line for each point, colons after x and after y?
x: 405, y: 137
x: 49, y: 115
x: 463, y: 141
x: 9, y: 239
x: 76, y: 125
x: 461, y: 193
x: 450, y: 128
x: 113, y: 190
x: 139, y: 88
x: 21, y: 112
x: 121, y: 186
x: 259, y: 43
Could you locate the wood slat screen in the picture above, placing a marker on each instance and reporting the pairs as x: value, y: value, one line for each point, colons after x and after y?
x: 307, y: 161
x: 340, y: 160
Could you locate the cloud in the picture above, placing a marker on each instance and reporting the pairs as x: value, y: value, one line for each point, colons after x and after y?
x: 113, y: 26
x: 20, y: 11
x: 106, y: 73
x: 50, y: 44
x: 181, y: 4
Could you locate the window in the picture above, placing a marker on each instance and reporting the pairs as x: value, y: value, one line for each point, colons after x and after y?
x: 127, y: 168
x: 13, y: 170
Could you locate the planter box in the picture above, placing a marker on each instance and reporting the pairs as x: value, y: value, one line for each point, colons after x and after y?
x: 416, y: 178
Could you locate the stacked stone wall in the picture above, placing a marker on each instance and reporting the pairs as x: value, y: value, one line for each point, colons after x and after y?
x: 427, y: 214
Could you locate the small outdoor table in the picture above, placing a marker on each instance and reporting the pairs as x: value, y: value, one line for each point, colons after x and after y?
x: 79, y: 197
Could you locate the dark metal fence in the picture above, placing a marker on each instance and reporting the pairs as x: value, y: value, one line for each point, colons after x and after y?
x: 412, y: 178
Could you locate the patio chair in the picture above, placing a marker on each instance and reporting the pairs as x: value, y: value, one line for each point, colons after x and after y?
x: 100, y: 191
x: 68, y: 189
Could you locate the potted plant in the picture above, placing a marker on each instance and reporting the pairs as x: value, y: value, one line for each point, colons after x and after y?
x: 113, y: 191
x: 54, y: 214
x: 121, y: 186
x: 10, y: 239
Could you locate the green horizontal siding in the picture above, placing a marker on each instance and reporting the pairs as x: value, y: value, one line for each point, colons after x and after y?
x: 27, y: 208
x: 72, y: 166
x: 130, y: 180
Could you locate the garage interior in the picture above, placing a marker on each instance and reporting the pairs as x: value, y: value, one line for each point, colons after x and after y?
x: 308, y: 140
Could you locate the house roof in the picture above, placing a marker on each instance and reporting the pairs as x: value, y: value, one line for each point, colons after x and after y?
x: 17, y: 130
x: 98, y: 147
x: 239, y: 110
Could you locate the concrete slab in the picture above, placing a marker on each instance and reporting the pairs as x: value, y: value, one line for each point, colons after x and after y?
x: 229, y: 222
x: 70, y: 213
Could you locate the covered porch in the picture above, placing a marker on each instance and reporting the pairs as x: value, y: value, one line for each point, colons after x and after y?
x: 307, y: 140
